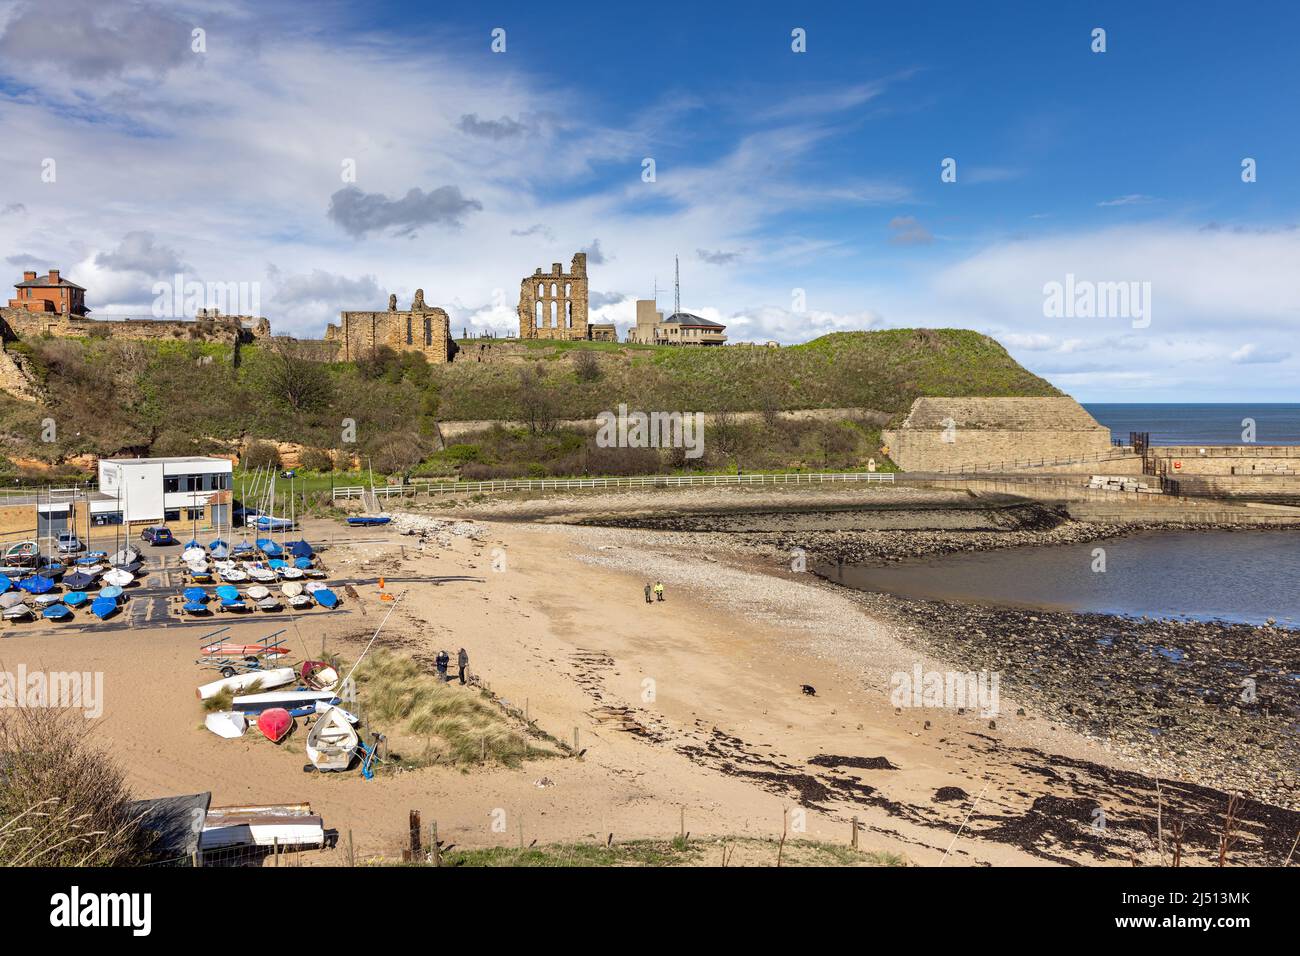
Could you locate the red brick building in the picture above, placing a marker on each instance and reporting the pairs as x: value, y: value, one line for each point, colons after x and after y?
x: 51, y: 293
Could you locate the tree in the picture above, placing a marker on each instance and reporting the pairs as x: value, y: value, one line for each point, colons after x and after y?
x: 586, y: 366
x: 536, y: 403
x: 292, y: 373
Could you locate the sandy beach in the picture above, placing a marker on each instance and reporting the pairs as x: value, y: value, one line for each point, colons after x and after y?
x: 691, y: 710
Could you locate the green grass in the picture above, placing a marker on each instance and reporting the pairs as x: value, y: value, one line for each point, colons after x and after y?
x: 675, y: 852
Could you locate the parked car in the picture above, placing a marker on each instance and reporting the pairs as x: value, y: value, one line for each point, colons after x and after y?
x: 68, y: 543
x: 158, y: 534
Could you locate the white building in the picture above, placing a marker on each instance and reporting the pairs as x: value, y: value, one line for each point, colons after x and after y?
x: 163, y: 490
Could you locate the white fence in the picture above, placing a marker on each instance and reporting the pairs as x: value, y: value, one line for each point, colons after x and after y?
x: 569, y: 484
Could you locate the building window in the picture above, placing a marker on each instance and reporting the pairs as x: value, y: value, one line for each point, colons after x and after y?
x: 193, y: 482
x: 428, y: 331
x: 102, y: 518
x: 171, y: 483
x: 538, y: 322
x: 173, y: 515
x: 568, y: 315
x: 555, y: 314
x: 193, y: 514
x: 409, y: 340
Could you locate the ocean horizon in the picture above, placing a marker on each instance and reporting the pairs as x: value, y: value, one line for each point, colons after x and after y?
x: 1201, y: 423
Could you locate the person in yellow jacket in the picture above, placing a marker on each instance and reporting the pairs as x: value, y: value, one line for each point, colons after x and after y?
x: 659, y: 590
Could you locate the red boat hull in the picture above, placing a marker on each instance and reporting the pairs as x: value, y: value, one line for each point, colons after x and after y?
x: 275, y: 724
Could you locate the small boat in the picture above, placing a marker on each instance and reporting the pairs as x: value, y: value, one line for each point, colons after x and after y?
x: 195, y: 594
x: 92, y: 557
x: 275, y: 677
x: 279, y: 825
x: 216, y: 544
x: 275, y: 564
x: 12, y: 598
x: 299, y: 549
x: 78, y: 580
x: 325, y: 598
x: 119, y: 577
x: 331, y: 741
x: 125, y: 556
x: 57, y: 612
x: 103, y: 608
x: 200, y: 577
x: 227, y: 592
x: 369, y: 521
x: 234, y: 574
x: 258, y: 591
x: 324, y: 705
x: 112, y: 592
x: 261, y: 574
x: 5, y: 583
x: 234, y: 604
x: 272, y: 523
x: 75, y: 598
x: 242, y: 550
x: 291, y: 574
x: 36, y: 584
x: 196, y: 608
x: 269, y: 604
x: 226, y: 723
x: 318, y: 675
x: 269, y: 548
x: 46, y: 600
x: 291, y: 589
x: 314, y: 572
x: 275, y: 724
x: 24, y: 554
x: 194, y: 552
x: 281, y: 698
x: 299, y: 601
x: 15, y: 611
x: 54, y: 570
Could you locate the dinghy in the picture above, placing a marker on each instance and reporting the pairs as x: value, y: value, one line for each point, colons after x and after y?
x: 258, y: 591
x: 124, y: 557
x: 368, y: 521
x: 57, y: 612
x: 331, y: 741
x: 92, y: 557
x: 195, y: 608
x: 291, y: 574
x: 234, y: 575
x: 5, y: 583
x: 78, y: 580
x: 318, y: 675
x: 227, y: 592
x: 15, y: 611
x: 36, y: 585
x: 269, y: 548
x: 299, y: 601
x: 226, y: 723
x: 112, y: 592
x: 270, y: 826
x: 24, y: 554
x: 46, y: 600
x: 12, y: 598
x: 103, y: 608
x: 269, y: 604
x: 118, y: 577
x: 275, y: 677
x: 291, y: 589
x: 194, y: 552
x: 323, y: 705
x: 265, y: 575
x: 275, y: 724
x: 255, y: 703
x: 325, y: 598
x: 195, y: 594
x: 75, y: 598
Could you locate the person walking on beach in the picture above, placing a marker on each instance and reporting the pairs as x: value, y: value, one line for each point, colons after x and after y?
x: 441, y: 663
x: 659, y: 590
x: 647, y: 592
x: 462, y: 662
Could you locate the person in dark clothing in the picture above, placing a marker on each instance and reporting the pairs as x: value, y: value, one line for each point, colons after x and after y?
x: 441, y: 662
x: 648, y: 598
x: 462, y: 662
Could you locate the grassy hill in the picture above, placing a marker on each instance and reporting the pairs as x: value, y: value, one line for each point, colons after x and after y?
x: 110, y: 397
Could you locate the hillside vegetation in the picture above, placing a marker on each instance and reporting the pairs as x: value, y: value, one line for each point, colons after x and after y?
x: 107, y: 397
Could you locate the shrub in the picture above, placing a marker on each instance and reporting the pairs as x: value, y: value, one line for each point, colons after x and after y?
x: 259, y: 454
x: 316, y: 459
x: 63, y: 801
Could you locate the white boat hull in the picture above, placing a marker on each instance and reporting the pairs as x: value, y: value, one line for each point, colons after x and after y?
x: 273, y: 677
x: 226, y: 723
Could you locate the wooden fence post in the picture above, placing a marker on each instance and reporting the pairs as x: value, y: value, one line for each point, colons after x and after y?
x: 415, y: 835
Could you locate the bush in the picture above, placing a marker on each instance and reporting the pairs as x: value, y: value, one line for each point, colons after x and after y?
x: 259, y: 454
x: 63, y: 801
x: 316, y: 459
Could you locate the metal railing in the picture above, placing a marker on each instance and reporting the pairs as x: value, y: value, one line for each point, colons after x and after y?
x: 567, y: 484
x: 996, y: 466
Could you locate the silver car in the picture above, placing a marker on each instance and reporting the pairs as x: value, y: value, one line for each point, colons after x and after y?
x: 68, y: 543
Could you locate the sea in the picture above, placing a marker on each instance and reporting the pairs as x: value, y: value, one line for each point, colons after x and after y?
x: 1202, y: 424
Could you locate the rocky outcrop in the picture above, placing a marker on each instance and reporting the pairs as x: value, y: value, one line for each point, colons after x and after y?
x: 15, y: 377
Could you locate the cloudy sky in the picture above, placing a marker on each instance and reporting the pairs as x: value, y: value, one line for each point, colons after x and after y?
x: 328, y: 154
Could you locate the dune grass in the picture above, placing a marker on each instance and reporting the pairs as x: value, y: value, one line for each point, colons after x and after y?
x: 454, y: 725
x: 746, y: 851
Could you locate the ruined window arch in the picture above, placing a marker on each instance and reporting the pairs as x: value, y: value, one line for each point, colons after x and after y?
x: 553, y: 287
x: 538, y: 321
x: 567, y: 289
x: 428, y: 331
x: 555, y: 314
x: 409, y: 340
x: 568, y: 315
x: 540, y: 287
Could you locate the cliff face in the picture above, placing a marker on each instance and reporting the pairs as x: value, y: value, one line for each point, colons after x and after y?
x: 15, y: 378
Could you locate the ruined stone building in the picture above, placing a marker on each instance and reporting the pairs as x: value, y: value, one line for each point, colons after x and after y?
x: 553, y: 305
x: 421, y: 328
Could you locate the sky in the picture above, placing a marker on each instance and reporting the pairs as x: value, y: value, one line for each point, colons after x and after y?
x: 323, y: 155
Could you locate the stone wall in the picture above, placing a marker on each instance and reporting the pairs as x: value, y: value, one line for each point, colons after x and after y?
x: 945, y: 433
x: 15, y: 378
x: 553, y: 305
x: 419, y: 329
x: 21, y: 323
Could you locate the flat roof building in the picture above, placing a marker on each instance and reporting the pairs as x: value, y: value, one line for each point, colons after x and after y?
x: 159, y: 490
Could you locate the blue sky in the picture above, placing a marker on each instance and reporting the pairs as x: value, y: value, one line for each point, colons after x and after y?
x: 801, y: 191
